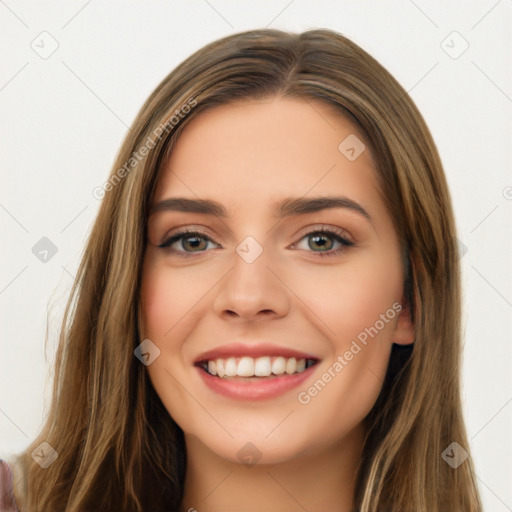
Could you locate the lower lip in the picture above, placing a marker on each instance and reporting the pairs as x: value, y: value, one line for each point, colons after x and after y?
x: 261, y: 389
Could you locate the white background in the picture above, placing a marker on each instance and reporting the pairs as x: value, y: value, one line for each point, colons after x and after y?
x: 63, y: 119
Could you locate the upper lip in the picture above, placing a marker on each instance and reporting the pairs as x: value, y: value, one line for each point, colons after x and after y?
x: 251, y: 350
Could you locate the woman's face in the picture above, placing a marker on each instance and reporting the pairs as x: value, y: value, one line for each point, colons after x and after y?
x: 277, y: 273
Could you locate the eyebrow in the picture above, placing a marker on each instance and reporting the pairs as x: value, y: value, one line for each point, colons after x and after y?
x: 285, y: 208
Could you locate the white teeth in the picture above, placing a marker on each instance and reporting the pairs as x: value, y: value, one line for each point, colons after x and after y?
x: 260, y: 367
x: 230, y: 367
x: 220, y: 367
x: 279, y: 366
x: 245, y: 367
x: 291, y: 365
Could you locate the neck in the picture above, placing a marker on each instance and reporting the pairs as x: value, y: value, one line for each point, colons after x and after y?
x: 320, y: 481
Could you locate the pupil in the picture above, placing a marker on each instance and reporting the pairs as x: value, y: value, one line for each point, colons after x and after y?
x: 196, y: 241
x: 320, y: 237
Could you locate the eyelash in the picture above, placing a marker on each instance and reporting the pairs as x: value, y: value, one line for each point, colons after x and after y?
x: 334, y: 233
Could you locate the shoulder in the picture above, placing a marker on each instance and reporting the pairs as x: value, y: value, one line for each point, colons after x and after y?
x: 7, y: 502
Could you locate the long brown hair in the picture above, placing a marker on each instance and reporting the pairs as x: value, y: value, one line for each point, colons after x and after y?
x: 118, y: 448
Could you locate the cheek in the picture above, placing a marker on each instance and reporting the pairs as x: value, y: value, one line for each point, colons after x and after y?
x: 169, y: 310
x: 353, y: 297
x: 159, y: 305
x: 361, y: 317
x: 168, y: 299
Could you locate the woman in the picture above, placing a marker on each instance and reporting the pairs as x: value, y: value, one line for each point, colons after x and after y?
x: 267, y: 314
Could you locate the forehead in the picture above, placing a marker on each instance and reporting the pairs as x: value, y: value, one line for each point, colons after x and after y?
x: 278, y: 147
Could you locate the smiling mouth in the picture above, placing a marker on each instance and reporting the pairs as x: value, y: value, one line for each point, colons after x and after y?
x: 249, y: 368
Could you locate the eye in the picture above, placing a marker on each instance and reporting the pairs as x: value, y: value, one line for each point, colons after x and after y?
x: 198, y: 242
x: 194, y: 240
x: 319, y: 239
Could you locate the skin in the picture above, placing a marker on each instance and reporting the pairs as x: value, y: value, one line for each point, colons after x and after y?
x: 245, y: 155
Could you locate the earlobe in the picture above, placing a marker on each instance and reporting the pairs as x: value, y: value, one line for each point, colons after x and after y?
x: 404, y: 328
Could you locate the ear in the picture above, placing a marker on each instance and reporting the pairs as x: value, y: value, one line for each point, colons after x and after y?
x: 404, y: 328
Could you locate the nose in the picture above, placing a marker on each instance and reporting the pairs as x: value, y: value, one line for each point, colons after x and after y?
x: 252, y: 291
